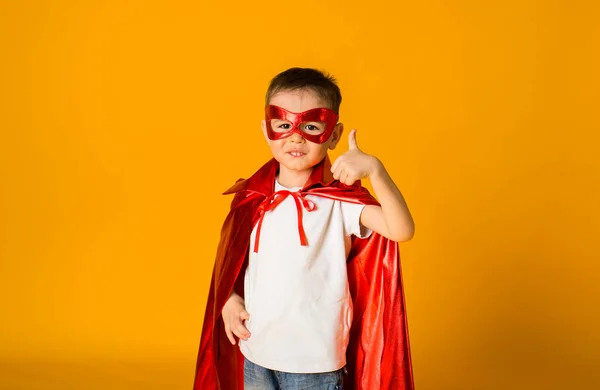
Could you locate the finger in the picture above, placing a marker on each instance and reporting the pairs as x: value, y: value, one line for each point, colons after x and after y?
x: 240, y: 327
x: 352, y: 140
x: 339, y: 172
x: 229, y: 334
x: 241, y: 331
x: 244, y: 315
x: 336, y: 171
x: 341, y: 168
x: 343, y: 177
x: 335, y: 165
x: 336, y: 174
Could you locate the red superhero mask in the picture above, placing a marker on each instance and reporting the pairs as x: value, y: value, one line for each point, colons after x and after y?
x: 314, y: 125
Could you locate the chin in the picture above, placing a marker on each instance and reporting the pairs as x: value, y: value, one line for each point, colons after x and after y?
x: 296, y: 165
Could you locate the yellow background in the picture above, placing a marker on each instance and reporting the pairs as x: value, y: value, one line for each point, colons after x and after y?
x: 122, y: 121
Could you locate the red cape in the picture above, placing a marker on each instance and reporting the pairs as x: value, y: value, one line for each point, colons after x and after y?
x: 378, y: 355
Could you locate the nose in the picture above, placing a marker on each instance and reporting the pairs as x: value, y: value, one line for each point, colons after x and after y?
x: 296, y: 138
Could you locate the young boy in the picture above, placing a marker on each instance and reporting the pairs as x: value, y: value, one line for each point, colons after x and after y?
x: 307, y: 271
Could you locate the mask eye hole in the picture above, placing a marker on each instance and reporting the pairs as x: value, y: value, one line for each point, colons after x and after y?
x: 313, y: 127
x: 280, y: 126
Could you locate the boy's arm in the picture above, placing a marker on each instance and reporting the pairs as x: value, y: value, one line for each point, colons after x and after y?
x: 392, y: 219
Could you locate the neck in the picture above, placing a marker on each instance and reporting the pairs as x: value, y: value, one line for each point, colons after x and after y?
x: 290, y: 179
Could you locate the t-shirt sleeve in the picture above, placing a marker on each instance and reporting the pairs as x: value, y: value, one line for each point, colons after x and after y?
x: 352, y: 225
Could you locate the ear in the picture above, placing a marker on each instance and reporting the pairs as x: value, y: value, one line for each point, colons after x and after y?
x: 263, y: 124
x: 336, y: 135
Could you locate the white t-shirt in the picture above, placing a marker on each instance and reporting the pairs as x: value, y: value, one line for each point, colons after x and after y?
x: 298, y: 296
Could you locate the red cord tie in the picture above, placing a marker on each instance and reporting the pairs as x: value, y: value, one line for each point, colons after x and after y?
x: 273, y: 201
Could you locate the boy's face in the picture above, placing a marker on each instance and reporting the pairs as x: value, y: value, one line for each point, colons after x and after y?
x: 295, y: 153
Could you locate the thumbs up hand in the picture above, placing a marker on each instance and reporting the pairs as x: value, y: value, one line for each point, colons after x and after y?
x: 354, y: 164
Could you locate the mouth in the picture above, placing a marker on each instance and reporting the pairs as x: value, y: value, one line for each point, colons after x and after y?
x: 296, y: 154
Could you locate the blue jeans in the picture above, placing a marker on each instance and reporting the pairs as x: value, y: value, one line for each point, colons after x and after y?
x: 260, y: 378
